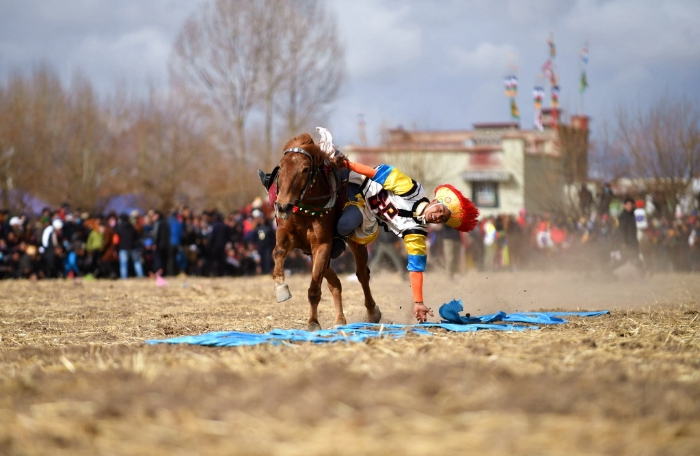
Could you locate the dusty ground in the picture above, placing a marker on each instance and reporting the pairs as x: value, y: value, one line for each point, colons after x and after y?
x: 76, y: 378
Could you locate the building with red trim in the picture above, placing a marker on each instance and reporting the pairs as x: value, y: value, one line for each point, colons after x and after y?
x: 499, y: 166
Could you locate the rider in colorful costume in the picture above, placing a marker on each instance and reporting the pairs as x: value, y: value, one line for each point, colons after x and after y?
x: 386, y: 196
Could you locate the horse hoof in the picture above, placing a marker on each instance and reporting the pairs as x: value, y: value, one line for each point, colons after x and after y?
x: 375, y: 315
x: 341, y: 321
x: 282, y: 292
x: 313, y: 327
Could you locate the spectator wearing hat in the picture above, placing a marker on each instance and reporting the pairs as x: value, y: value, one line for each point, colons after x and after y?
x: 16, y: 231
x: 69, y: 227
x: 52, y: 251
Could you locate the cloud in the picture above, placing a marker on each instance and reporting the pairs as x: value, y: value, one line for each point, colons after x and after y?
x: 537, y: 12
x: 632, y: 31
x: 109, y: 42
x: 378, y: 38
x: 142, y: 50
x: 436, y: 63
x: 486, y: 57
x: 632, y: 75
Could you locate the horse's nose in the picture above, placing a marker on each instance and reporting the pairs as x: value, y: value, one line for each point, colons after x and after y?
x: 283, y: 211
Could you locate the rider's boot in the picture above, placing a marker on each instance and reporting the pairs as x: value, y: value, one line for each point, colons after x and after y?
x: 338, y: 246
x: 266, y: 179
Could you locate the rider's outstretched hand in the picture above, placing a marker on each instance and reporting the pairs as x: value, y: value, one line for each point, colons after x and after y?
x: 421, y: 312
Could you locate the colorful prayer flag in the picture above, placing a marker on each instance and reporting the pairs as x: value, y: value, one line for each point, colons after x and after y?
x: 511, y: 85
x: 584, y: 81
x: 538, y: 95
x: 552, y: 47
x: 514, y: 111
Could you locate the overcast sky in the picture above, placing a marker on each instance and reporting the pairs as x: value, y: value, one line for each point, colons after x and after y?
x: 428, y: 64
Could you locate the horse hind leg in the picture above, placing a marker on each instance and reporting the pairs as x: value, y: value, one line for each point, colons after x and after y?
x: 336, y: 290
x: 314, y: 296
x: 359, y: 251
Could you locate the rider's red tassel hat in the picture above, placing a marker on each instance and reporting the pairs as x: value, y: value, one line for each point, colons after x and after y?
x: 465, y: 215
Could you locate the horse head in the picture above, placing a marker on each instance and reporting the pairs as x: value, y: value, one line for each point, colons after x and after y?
x: 297, y: 173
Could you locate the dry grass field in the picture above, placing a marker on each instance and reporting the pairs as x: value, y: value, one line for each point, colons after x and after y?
x: 77, y: 378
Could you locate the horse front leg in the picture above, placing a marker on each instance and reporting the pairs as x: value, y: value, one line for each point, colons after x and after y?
x: 359, y: 251
x: 336, y: 289
x: 282, y: 248
x: 320, y: 257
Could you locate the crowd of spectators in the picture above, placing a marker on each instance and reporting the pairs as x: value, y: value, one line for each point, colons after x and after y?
x: 70, y: 243
x: 597, y: 241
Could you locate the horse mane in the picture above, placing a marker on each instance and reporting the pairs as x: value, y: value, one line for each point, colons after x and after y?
x: 306, y: 142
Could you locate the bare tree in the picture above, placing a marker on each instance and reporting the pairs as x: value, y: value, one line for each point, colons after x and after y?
x: 664, y: 145
x: 608, y: 159
x: 544, y: 186
x: 315, y: 64
x: 87, y: 172
x: 54, y: 143
x: 30, y: 128
x: 166, y: 148
x: 219, y: 55
x: 260, y: 59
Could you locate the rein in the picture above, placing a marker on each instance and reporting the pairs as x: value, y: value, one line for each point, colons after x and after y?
x: 309, y: 209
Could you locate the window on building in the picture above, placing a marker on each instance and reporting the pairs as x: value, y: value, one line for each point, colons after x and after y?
x: 485, y: 194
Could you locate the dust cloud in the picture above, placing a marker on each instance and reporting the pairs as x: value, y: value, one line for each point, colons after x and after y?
x: 484, y: 293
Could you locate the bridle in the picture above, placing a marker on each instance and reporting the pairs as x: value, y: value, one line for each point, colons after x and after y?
x: 303, y: 207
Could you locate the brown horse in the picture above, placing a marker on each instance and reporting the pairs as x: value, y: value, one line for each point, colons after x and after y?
x: 307, y: 191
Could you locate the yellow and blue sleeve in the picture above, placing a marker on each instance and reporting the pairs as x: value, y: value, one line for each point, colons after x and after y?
x: 417, y: 252
x: 392, y: 179
x: 417, y: 256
